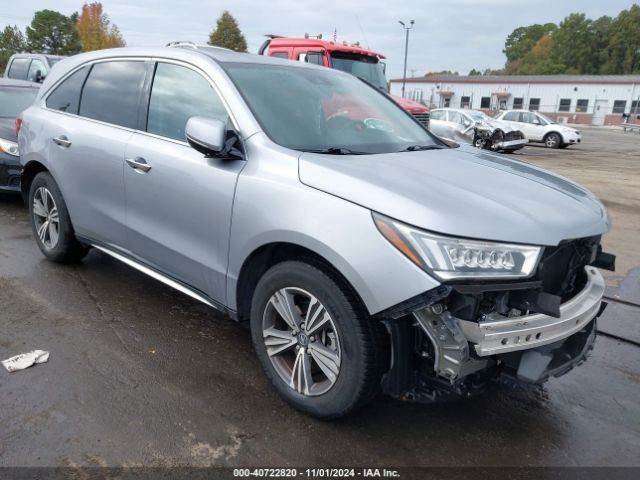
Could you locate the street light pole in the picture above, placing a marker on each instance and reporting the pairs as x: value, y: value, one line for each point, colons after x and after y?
x: 406, y: 50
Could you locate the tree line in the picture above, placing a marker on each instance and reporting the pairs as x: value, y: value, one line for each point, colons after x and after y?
x: 578, y: 45
x: 58, y: 34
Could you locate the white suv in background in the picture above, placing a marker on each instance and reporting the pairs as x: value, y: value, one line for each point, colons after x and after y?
x: 539, y: 128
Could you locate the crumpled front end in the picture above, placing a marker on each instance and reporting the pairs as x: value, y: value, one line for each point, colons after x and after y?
x: 451, y: 341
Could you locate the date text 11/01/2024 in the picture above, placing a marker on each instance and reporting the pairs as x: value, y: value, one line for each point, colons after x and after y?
x: 316, y: 472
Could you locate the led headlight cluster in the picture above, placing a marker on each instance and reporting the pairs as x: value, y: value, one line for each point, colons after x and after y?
x: 454, y: 258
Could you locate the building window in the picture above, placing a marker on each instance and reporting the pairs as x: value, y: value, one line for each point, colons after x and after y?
x: 518, y: 102
x: 582, y: 105
x: 565, y: 105
x: 534, y: 104
x: 447, y: 102
x: 485, y: 102
x: 635, y: 107
x: 619, y: 106
x: 464, y: 102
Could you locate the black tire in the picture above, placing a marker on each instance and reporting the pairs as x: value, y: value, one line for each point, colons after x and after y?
x: 553, y: 140
x: 67, y: 249
x: 362, y: 340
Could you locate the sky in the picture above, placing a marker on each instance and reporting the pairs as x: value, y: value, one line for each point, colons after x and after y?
x: 455, y: 35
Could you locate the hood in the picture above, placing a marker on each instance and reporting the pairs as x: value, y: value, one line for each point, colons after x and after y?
x: 462, y: 192
x: 8, y: 129
x: 410, y: 105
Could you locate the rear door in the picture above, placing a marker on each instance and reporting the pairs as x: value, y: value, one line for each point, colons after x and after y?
x: 531, y: 126
x: 179, y: 204
x: 96, y: 112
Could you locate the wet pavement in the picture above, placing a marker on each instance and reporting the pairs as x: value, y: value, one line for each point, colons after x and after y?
x: 142, y: 375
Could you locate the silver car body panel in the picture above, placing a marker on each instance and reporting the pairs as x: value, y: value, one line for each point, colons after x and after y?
x: 323, y: 203
x: 462, y: 192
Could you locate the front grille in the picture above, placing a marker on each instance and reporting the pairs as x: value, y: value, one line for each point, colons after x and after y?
x: 561, y: 268
x: 516, y: 135
x: 423, y: 118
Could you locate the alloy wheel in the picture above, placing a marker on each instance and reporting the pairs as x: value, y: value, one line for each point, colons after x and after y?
x: 302, y: 341
x: 45, y: 217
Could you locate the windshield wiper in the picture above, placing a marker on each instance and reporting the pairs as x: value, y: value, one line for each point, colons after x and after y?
x: 336, y: 151
x: 415, y: 148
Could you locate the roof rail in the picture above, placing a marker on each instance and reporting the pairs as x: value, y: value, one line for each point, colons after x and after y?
x: 182, y: 43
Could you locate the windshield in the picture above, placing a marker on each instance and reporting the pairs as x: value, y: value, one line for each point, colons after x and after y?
x: 364, y: 67
x: 544, y: 119
x: 14, y: 100
x: 315, y: 109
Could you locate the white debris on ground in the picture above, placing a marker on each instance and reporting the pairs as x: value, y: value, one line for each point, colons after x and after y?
x: 25, y: 360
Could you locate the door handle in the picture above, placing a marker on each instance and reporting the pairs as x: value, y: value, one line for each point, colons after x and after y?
x: 62, y: 140
x: 139, y: 164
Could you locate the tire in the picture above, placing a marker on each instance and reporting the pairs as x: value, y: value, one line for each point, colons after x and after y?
x: 552, y: 140
x: 56, y: 239
x: 356, y: 344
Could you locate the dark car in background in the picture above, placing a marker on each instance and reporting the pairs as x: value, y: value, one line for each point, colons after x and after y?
x: 15, y: 96
x: 32, y: 67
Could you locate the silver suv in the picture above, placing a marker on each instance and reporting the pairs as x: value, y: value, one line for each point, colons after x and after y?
x: 366, y: 254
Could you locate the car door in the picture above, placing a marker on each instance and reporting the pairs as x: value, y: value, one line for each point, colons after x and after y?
x: 179, y: 202
x: 96, y: 113
x: 531, y: 126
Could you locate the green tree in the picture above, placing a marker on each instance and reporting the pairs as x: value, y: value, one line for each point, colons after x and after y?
x: 574, y: 45
x: 227, y: 34
x: 522, y: 40
x: 54, y: 33
x: 622, y: 53
x: 11, y: 41
x: 474, y: 72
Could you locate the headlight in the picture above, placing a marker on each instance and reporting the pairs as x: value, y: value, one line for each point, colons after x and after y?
x: 9, y: 147
x: 451, y: 258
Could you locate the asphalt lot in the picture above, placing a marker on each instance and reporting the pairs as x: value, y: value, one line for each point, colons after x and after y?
x: 142, y: 375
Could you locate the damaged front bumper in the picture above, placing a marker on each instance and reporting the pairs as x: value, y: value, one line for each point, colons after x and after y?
x: 454, y: 356
x: 497, y: 334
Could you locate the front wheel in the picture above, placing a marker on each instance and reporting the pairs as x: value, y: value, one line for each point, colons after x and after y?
x: 317, y: 346
x: 50, y: 221
x: 553, y: 140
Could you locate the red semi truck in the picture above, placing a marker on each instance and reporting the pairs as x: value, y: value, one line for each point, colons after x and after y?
x: 358, y: 61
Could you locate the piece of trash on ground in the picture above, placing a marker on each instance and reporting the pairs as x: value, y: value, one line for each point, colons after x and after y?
x: 25, y: 360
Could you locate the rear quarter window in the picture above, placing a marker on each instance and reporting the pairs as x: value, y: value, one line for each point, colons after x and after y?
x: 66, y: 96
x: 111, y: 93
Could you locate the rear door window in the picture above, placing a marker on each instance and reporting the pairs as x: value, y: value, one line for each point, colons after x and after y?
x: 18, y: 68
x: 512, y: 116
x: 112, y: 92
x: 66, y: 96
x: 177, y: 94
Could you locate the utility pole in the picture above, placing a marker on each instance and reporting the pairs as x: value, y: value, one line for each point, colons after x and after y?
x: 406, y: 50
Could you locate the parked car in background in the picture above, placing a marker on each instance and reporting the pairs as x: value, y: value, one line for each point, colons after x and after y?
x: 15, y: 96
x: 476, y: 128
x: 32, y: 67
x: 365, y: 255
x: 541, y: 129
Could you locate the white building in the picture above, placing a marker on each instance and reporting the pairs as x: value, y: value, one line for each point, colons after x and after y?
x: 586, y: 99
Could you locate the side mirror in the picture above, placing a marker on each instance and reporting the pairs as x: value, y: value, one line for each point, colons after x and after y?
x: 207, y: 135
x: 39, y: 76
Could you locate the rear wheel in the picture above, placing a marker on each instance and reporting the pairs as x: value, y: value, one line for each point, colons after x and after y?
x: 553, y: 140
x: 317, y: 346
x: 51, y: 223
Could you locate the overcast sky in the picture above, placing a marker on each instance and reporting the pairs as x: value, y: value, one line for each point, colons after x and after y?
x: 455, y: 35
